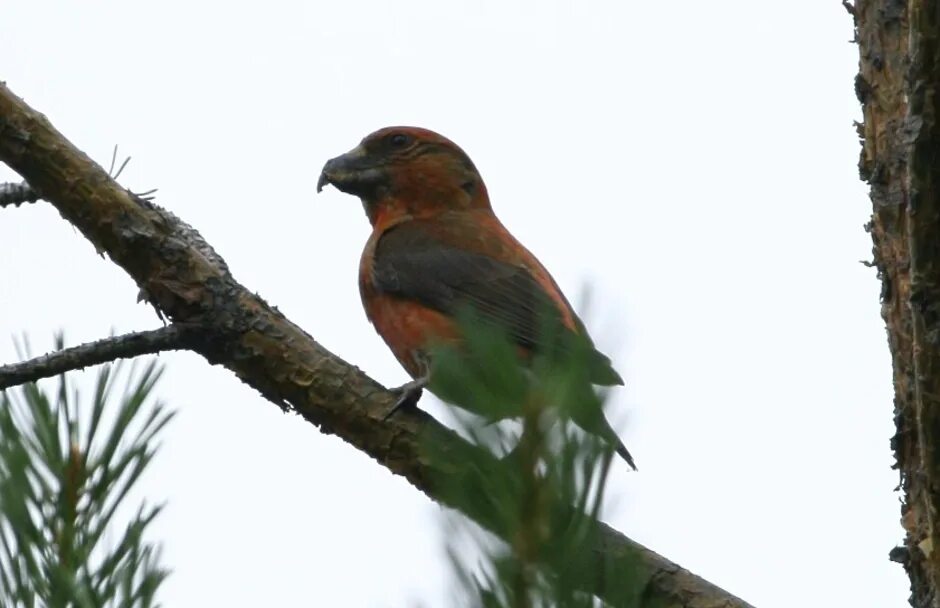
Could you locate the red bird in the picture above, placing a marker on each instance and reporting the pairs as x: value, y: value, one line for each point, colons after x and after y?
x: 436, y: 246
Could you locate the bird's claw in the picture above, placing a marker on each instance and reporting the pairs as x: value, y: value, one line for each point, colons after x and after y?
x: 408, y: 395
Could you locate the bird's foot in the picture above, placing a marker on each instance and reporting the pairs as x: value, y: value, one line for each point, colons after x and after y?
x: 408, y: 395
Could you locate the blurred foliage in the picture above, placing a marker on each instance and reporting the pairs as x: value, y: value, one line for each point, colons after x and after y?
x: 65, y: 475
x: 539, y: 483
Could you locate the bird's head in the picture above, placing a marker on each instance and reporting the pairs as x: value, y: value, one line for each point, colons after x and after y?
x: 407, y: 170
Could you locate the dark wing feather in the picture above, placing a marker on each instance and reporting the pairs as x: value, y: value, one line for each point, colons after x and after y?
x: 412, y: 263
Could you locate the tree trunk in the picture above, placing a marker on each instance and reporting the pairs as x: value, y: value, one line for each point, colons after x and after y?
x: 899, y: 73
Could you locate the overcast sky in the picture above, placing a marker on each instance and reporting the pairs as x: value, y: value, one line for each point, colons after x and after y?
x: 692, y: 164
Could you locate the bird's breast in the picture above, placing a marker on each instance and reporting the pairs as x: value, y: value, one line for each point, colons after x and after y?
x: 409, y: 328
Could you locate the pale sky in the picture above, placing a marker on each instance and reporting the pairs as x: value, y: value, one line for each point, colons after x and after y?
x: 692, y: 163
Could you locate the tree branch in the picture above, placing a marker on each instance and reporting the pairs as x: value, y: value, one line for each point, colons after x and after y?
x: 172, y: 337
x: 17, y: 194
x: 239, y: 330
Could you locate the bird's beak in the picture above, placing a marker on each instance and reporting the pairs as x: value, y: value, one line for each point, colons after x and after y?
x: 353, y: 173
x: 324, y: 178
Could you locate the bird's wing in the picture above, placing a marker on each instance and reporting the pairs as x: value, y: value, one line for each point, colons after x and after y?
x: 415, y: 262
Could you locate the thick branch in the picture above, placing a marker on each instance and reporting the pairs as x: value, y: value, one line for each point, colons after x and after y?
x: 242, y: 332
x: 108, y: 349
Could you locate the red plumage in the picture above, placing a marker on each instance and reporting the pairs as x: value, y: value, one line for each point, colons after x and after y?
x: 437, y: 246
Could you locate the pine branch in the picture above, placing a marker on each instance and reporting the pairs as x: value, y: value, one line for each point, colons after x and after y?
x: 65, y: 470
x: 241, y: 331
x: 556, y: 468
x: 172, y: 337
x: 17, y: 194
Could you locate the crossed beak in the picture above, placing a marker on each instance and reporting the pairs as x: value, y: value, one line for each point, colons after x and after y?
x: 352, y: 173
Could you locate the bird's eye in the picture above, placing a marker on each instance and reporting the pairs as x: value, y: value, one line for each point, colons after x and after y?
x: 399, y: 140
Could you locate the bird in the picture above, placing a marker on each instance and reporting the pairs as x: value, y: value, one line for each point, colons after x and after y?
x: 437, y: 247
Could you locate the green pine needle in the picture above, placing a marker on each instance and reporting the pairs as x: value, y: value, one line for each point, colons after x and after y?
x: 546, y: 497
x: 66, y: 471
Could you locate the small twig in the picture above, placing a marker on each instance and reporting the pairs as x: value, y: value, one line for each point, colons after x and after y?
x: 148, y: 195
x: 172, y: 337
x: 17, y: 194
x: 121, y: 168
x: 113, y: 160
x: 114, y: 175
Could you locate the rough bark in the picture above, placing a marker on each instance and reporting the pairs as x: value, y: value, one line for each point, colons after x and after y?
x: 899, y: 74
x: 186, y: 280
